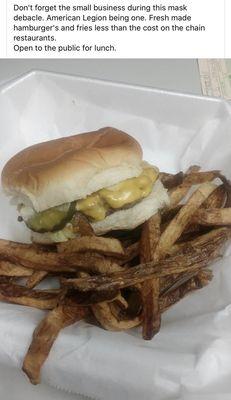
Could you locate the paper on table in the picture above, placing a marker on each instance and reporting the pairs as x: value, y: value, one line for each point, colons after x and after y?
x: 190, y: 357
x: 216, y: 77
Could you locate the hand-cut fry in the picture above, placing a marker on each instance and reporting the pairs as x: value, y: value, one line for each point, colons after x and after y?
x: 45, y: 335
x: 201, y: 242
x: 105, y: 317
x: 105, y: 312
x: 131, y: 252
x: 35, y: 279
x: 177, y: 194
x: 213, y: 216
x: 17, y: 294
x: 168, y: 214
x: 9, y: 269
x: 178, y: 224
x: 134, y: 306
x: 202, y: 279
x: 89, y: 298
x: 81, y: 225
x: 93, y: 262
x: 193, y: 259
x: 150, y: 289
x: 227, y: 185
x: 217, y: 198
x: 106, y: 246
x: 32, y: 257
x: 170, y: 180
x: 196, y: 178
x: 172, y: 282
x: 192, y: 169
x: 192, y: 177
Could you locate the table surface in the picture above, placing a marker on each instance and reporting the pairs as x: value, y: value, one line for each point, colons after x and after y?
x: 178, y: 75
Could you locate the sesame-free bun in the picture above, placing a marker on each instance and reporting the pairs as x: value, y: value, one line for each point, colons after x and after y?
x: 67, y: 169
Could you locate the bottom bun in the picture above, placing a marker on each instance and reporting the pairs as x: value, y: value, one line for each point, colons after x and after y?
x: 119, y: 220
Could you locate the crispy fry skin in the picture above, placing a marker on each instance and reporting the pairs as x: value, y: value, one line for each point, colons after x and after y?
x: 104, y: 312
x: 178, y: 193
x: 81, y: 225
x: 196, y: 178
x: 9, y: 269
x: 35, y: 279
x: 170, y: 180
x: 181, y: 220
x: 201, y: 280
x: 131, y: 252
x: 227, y: 185
x: 44, y: 336
x: 42, y: 299
x: 32, y: 257
x: 150, y: 289
x: 200, y: 242
x: 187, y: 261
x: 106, y: 318
x: 217, y: 198
x: 213, y: 216
x: 106, y: 246
x: 37, y: 259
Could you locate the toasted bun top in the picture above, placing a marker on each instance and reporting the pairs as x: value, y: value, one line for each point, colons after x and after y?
x: 63, y: 170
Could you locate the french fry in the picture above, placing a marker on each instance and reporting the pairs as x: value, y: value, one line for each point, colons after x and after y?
x: 216, y: 199
x: 81, y: 225
x: 178, y: 193
x: 12, y: 293
x: 213, y: 216
x: 37, y: 259
x: 227, y: 185
x: 170, y: 180
x: 131, y: 252
x: 150, y: 289
x: 45, y: 335
x: 9, y: 269
x: 197, y: 178
x: 107, y: 320
x: 201, y: 280
x: 189, y: 261
x: 102, y: 245
x: 192, y: 169
x: 35, y: 279
x: 91, y: 297
x: 32, y: 257
x: 201, y: 242
x: 181, y: 220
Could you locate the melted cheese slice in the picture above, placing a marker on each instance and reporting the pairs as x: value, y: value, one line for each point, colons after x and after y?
x: 117, y: 196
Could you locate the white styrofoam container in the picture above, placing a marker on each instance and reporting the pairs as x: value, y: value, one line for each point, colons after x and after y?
x: 175, y: 130
x: 41, y: 104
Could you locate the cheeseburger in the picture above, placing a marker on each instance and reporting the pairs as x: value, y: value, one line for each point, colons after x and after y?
x: 100, y: 174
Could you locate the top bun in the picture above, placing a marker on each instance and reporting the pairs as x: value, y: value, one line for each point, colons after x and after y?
x: 63, y: 170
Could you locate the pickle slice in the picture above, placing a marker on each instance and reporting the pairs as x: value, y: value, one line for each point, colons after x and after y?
x: 53, y: 219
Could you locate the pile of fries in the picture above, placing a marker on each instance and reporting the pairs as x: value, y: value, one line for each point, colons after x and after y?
x: 124, y: 279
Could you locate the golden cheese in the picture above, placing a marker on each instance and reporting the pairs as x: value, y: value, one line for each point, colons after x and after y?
x: 117, y: 196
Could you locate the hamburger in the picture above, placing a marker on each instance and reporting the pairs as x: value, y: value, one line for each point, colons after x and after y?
x: 99, y: 174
